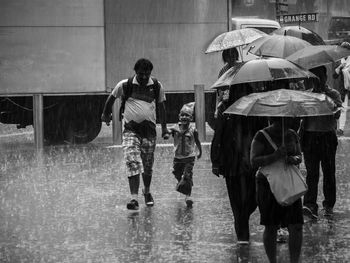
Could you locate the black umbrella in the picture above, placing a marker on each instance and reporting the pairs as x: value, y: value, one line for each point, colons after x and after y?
x: 300, y: 32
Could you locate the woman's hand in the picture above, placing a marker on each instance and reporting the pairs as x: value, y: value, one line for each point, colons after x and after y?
x: 281, y: 152
x: 293, y: 160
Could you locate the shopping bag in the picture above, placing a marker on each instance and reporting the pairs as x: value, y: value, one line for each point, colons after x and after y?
x: 286, y: 182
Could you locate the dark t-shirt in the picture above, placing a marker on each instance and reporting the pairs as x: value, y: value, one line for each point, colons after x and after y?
x: 291, y: 142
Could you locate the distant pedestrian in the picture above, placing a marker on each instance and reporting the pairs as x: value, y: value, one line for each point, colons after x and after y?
x: 319, y: 145
x: 140, y: 96
x: 272, y: 214
x: 185, y: 143
x: 229, y: 57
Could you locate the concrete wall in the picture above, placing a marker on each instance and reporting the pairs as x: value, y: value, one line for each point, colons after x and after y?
x: 173, y: 34
x: 51, y: 46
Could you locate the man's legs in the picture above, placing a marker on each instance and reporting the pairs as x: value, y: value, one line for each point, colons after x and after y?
x: 328, y: 168
x: 312, y: 164
x: 134, y: 184
x: 241, y: 191
x: 147, y: 156
x: 132, y: 156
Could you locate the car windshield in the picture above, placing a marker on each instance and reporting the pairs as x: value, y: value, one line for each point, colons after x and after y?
x: 266, y: 30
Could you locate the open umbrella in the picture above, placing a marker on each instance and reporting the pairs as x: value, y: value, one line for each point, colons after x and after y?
x: 283, y: 103
x: 234, y: 38
x: 300, y: 32
x: 262, y: 69
x: 278, y: 46
x: 315, y: 56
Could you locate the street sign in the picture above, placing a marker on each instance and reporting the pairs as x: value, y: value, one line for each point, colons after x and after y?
x: 298, y: 18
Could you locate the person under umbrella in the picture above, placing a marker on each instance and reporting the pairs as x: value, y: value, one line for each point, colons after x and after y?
x: 230, y: 146
x: 272, y: 214
x: 229, y: 57
x: 319, y: 145
x: 229, y: 155
x: 281, y: 106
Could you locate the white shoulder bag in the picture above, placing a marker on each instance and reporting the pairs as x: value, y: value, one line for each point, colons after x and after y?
x: 286, y: 181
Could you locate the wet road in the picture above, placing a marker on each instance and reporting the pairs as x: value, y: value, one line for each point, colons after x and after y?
x: 68, y: 204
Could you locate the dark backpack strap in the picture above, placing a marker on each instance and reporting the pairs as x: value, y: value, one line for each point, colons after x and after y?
x: 157, y: 89
x: 127, y: 91
x: 156, y: 94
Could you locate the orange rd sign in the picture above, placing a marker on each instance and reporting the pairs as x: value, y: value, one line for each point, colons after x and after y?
x: 297, y: 18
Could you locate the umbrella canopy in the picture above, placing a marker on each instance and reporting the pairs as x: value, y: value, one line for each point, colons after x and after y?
x: 315, y: 56
x: 283, y: 103
x: 300, y: 32
x: 278, y: 46
x: 262, y: 69
x: 234, y: 38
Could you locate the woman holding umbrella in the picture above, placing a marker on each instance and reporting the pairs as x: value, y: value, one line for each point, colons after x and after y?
x: 272, y: 214
x: 281, y: 106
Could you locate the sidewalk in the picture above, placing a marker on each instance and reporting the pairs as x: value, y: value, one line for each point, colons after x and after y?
x: 68, y: 205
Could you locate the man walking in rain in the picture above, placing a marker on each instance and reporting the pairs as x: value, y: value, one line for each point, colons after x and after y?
x: 319, y: 145
x: 140, y: 96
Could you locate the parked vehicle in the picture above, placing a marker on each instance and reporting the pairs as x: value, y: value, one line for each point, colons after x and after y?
x: 74, y: 52
x: 339, y: 27
x: 265, y: 25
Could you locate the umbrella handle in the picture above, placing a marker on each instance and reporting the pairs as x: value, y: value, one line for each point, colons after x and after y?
x: 282, y: 131
x: 241, y: 52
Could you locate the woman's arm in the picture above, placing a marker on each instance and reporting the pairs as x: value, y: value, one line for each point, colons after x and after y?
x: 297, y: 158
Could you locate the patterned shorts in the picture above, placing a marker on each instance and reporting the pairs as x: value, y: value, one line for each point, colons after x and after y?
x: 138, y: 153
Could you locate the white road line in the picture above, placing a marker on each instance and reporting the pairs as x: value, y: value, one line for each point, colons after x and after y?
x: 160, y: 145
x: 16, y: 134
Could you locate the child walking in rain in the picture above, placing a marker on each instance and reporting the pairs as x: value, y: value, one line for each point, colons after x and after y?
x: 185, y: 143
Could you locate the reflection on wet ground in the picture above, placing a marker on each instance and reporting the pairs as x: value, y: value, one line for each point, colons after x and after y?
x: 67, y: 204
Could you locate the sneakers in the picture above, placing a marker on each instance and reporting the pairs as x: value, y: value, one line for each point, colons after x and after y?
x: 189, y: 201
x: 309, y: 213
x: 148, y: 199
x: 133, y: 205
x: 282, y: 235
x: 328, y: 211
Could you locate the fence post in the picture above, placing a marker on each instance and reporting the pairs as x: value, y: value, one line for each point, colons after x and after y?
x: 38, y: 120
x: 116, y: 124
x: 200, y: 110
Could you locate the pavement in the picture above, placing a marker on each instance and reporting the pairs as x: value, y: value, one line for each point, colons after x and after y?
x: 68, y: 204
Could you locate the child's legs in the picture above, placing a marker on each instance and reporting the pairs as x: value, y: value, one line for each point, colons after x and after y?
x: 188, y: 173
x: 178, y: 169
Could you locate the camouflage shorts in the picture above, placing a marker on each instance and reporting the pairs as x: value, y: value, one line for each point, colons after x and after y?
x: 138, y: 153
